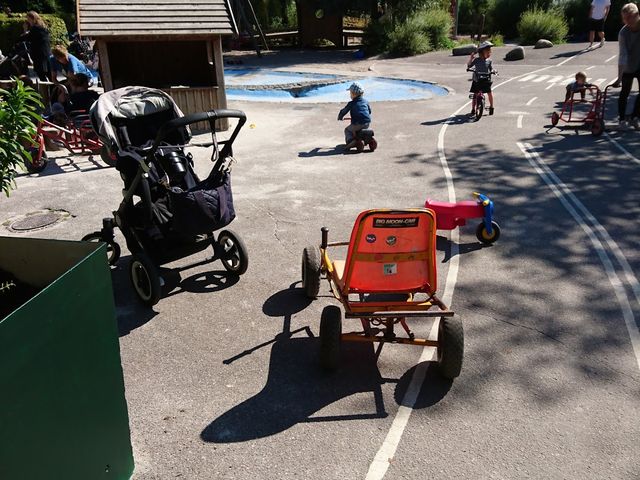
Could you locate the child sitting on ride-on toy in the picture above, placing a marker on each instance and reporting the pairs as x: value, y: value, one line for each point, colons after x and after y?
x: 360, y: 112
x: 482, y: 74
x: 579, y: 85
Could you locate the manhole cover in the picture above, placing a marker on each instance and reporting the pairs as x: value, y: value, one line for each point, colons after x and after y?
x: 36, y: 220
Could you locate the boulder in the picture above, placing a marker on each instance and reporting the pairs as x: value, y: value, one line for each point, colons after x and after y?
x: 515, y: 54
x: 464, y: 50
x: 542, y: 43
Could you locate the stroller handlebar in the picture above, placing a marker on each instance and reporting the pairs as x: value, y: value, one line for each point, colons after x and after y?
x: 210, y: 116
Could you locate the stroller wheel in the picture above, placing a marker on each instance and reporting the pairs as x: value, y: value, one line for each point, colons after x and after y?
x: 113, y: 249
x: 232, y: 252
x: 373, y: 144
x: 145, y: 279
x: 484, y: 237
x: 450, y: 346
x: 330, y: 337
x: 311, y: 271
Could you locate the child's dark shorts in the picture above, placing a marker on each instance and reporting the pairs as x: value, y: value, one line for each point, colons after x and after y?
x: 481, y: 86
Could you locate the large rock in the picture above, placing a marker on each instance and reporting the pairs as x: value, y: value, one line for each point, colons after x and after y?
x: 542, y: 43
x: 515, y: 54
x: 464, y: 50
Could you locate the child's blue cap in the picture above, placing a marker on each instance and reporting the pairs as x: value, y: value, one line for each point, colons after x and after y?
x: 356, y: 88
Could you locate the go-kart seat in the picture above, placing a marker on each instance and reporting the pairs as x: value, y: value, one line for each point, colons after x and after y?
x: 390, y: 251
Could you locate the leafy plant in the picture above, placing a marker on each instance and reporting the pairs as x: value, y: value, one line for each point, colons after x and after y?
x: 436, y: 23
x: 408, y: 39
x: 18, y: 116
x: 536, y: 24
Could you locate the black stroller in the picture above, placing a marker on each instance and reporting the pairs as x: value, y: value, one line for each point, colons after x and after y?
x: 167, y: 213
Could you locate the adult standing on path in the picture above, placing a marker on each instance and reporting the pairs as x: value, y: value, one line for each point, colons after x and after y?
x: 39, y: 44
x: 597, y: 16
x: 629, y: 63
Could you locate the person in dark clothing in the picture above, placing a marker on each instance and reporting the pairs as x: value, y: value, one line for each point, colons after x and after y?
x: 81, y: 98
x: 39, y: 44
x: 360, y: 112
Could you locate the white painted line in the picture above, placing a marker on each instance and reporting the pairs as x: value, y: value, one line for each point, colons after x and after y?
x: 621, y: 148
x: 512, y: 112
x: 520, y: 121
x: 572, y: 205
x: 550, y: 86
x: 599, y: 81
x: 610, y: 58
x: 541, y: 78
x: 589, y: 68
x: 527, y: 78
x: 381, y: 462
x: 565, y: 60
x: 555, y: 79
x: 531, y: 101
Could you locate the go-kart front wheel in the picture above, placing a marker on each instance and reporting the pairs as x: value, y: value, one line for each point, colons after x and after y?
x: 373, y: 144
x: 233, y: 252
x: 484, y: 236
x: 38, y: 160
x: 555, y: 118
x: 330, y: 337
x: 145, y: 279
x: 311, y: 265
x: 450, y: 346
x: 113, y: 249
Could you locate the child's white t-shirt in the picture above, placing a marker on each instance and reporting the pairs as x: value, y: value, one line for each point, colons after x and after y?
x: 599, y: 7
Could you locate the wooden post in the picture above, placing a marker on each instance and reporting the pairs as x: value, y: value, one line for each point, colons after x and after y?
x: 219, y: 68
x: 105, y: 69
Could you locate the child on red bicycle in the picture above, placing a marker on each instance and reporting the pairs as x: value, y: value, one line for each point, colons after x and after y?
x: 482, y: 70
x: 579, y: 85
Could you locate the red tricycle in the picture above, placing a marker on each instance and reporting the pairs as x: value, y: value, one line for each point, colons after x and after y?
x: 75, y: 134
x: 451, y: 215
x: 593, y: 118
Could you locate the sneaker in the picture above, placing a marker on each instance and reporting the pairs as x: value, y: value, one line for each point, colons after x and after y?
x: 623, y: 125
x: 635, y: 123
x: 602, y: 42
x: 490, y: 110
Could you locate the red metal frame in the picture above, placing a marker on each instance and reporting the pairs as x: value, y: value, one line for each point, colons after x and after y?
x: 77, y: 135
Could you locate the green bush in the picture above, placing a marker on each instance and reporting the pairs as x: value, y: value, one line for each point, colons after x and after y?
x: 536, y: 24
x: 505, y: 14
x: 408, y: 39
x: 11, y: 29
x: 436, y: 24
x: 497, y: 39
x: 18, y: 114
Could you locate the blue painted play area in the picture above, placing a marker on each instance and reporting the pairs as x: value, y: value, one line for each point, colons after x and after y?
x: 263, y: 85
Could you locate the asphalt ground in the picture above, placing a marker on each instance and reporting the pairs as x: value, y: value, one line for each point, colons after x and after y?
x: 221, y: 376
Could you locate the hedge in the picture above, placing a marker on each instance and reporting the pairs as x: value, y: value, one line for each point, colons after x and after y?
x: 11, y: 29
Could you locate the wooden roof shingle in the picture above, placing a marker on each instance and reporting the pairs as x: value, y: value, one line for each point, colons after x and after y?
x: 110, y: 18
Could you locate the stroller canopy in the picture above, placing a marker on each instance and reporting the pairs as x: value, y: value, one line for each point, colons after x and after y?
x: 129, y: 103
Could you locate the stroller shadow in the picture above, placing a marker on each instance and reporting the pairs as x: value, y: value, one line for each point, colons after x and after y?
x: 203, y: 282
x: 443, y: 245
x: 456, y: 120
x: 323, y: 152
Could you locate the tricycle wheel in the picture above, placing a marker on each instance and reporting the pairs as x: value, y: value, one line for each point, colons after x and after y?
x: 450, y: 346
x: 373, y: 144
x: 555, y: 118
x: 113, y: 249
x: 597, y: 127
x: 38, y: 160
x: 234, y: 257
x: 145, y: 279
x: 311, y: 265
x: 484, y: 236
x: 330, y: 337
x: 107, y: 157
x: 359, y: 145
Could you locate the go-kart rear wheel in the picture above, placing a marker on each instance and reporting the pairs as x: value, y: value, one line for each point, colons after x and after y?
x: 107, y: 157
x: 38, y: 160
x: 555, y: 118
x: 113, y: 249
x: 373, y: 144
x: 450, y: 346
x: 330, y: 337
x: 234, y: 256
x: 145, y: 279
x: 597, y: 127
x: 311, y: 265
x: 483, y: 236
x: 359, y: 145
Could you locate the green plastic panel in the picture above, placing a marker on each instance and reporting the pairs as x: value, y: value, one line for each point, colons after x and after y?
x: 63, y: 413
